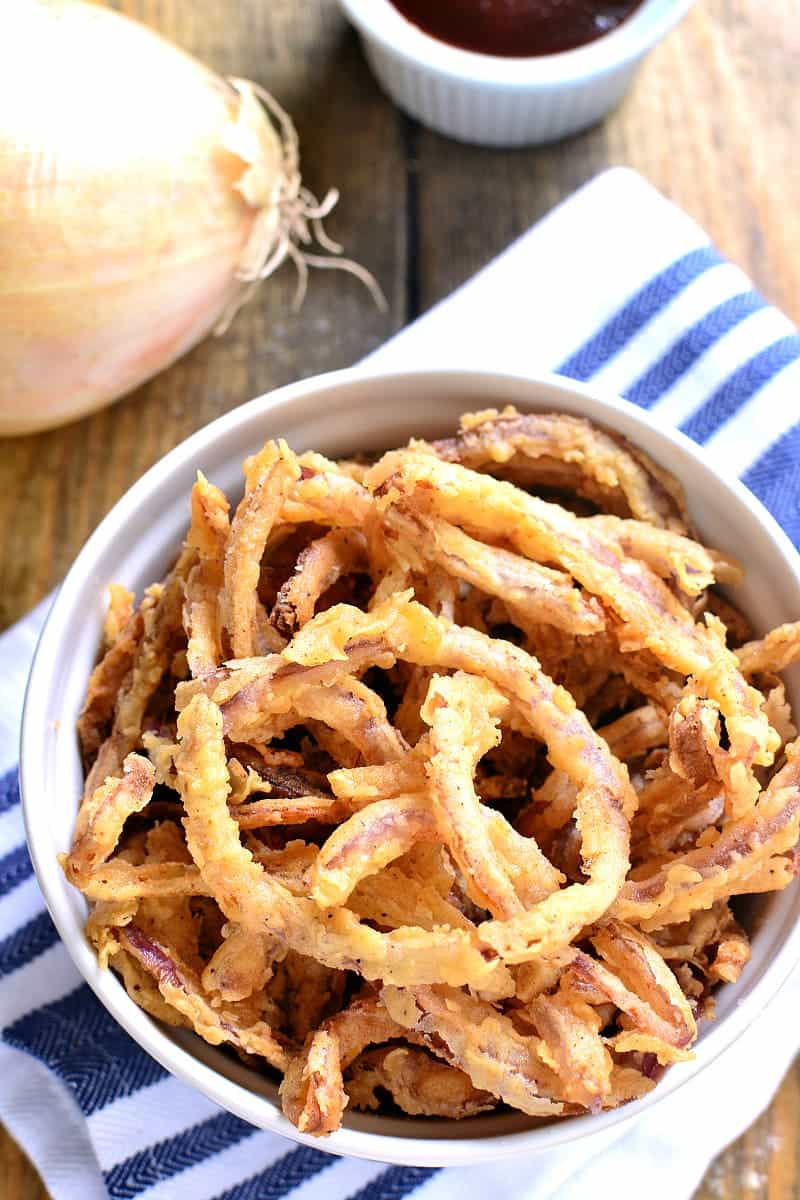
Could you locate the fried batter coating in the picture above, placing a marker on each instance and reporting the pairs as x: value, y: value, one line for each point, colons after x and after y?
x: 637, y: 964
x: 121, y: 604
x: 319, y: 566
x: 366, y: 842
x: 629, y: 737
x: 250, y: 897
x: 531, y: 593
x: 670, y: 555
x: 650, y: 617
x: 695, y: 879
x: 408, y: 630
x: 241, y: 964
x: 327, y: 495
x: 107, y: 680
x: 123, y: 881
x: 208, y: 535
x: 570, y: 1030
x: 152, y: 653
x: 777, y: 651
x: 183, y: 991
x: 570, y: 453
x: 483, y: 1043
x: 103, y: 815
x: 277, y: 810
x: 361, y: 785
x: 312, y: 1092
x: 402, y: 894
x: 432, y: 781
x: 463, y: 712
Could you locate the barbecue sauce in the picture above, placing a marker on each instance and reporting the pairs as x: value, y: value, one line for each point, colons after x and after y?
x: 517, y: 28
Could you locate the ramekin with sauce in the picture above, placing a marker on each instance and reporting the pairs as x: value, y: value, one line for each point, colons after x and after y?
x: 509, y: 72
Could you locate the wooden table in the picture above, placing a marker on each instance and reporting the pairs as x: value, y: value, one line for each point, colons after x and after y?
x: 713, y: 121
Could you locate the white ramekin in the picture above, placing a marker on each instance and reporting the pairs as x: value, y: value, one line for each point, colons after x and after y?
x: 338, y: 414
x: 494, y: 101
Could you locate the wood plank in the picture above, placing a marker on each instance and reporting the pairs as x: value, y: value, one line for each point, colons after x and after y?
x: 56, y: 486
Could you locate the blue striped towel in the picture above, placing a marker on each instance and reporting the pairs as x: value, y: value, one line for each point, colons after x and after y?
x: 618, y: 288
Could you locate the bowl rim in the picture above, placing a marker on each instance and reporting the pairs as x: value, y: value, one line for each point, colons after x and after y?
x: 399, y: 37
x: 251, y: 1106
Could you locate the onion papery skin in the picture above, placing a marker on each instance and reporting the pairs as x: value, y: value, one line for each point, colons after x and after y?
x: 120, y: 225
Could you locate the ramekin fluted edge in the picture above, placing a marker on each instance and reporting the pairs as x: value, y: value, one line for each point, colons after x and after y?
x: 493, y: 101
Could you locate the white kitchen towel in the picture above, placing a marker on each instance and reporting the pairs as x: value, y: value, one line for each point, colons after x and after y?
x: 616, y: 287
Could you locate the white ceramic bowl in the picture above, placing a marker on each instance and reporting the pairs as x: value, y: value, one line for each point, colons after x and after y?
x: 338, y: 414
x: 494, y: 101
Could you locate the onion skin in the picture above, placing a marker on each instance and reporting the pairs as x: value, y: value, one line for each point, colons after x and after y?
x: 120, y: 225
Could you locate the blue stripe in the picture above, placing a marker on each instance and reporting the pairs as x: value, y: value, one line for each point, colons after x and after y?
x: 638, y: 312
x: 15, y: 868
x: 685, y: 352
x: 395, y: 1183
x: 281, y: 1176
x: 775, y: 479
x: 77, y: 1039
x: 9, y: 790
x: 27, y: 943
x: 741, y: 386
x: 168, y: 1158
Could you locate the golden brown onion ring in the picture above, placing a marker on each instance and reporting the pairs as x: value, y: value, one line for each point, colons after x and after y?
x: 463, y: 713
x: 696, y: 879
x: 102, y: 816
x: 107, y: 679
x: 249, y: 896
x: 570, y: 453
x: 532, y: 593
x: 775, y: 652
x: 208, y: 535
x: 319, y: 566
x: 182, y: 990
x: 241, y: 964
x: 483, y: 1043
x: 161, y: 614
x: 326, y: 495
x: 650, y: 616
x: 269, y: 476
x: 407, y: 630
x: 670, y: 555
x: 312, y: 1092
x: 570, y: 1030
x: 365, y: 843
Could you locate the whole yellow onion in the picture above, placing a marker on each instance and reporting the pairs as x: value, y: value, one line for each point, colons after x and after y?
x: 142, y: 197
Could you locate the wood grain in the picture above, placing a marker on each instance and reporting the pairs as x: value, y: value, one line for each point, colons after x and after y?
x: 712, y: 120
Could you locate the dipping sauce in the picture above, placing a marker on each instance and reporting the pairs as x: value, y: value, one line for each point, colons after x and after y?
x: 517, y: 28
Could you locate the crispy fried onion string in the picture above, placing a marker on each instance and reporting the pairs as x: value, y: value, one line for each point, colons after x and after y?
x: 649, y: 615
x: 249, y: 896
x: 483, y: 1043
x: 567, y: 452
x: 432, y: 779
x: 405, y: 629
x: 418, y: 1084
